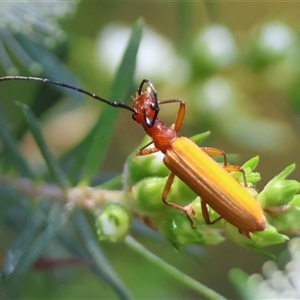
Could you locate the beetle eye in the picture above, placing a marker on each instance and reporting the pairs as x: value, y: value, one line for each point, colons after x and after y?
x: 134, y: 117
x: 153, y: 106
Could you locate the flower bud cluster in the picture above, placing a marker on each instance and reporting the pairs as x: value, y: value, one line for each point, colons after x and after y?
x: 144, y: 179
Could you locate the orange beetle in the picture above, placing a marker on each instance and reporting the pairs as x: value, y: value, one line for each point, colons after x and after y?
x: 192, y: 164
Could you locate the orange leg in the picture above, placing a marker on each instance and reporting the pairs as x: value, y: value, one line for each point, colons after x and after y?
x: 180, y: 113
x: 232, y: 168
x: 146, y: 151
x: 206, y: 214
x: 176, y: 206
x: 229, y: 168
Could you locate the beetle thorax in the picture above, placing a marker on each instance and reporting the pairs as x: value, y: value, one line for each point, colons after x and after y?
x: 162, y: 136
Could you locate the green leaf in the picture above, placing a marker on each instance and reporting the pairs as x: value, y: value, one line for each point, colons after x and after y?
x: 279, y: 191
x: 53, y: 68
x: 200, y: 138
x: 34, y: 128
x: 22, y: 243
x: 287, y: 171
x: 251, y: 164
x: 184, y: 24
x: 239, y: 279
x: 95, y: 152
x: 57, y: 219
x: 12, y: 148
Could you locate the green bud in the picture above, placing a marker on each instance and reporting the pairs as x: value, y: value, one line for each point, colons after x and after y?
x: 258, y: 240
x: 113, y: 223
x: 279, y: 191
x: 251, y: 164
x: 147, y: 194
x: 180, y: 193
x: 248, y: 167
x: 296, y: 200
x: 177, y: 229
x: 139, y: 167
x: 288, y: 220
x: 270, y: 236
x: 199, y: 220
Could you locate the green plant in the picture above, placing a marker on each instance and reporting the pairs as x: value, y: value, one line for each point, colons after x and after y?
x: 59, y: 205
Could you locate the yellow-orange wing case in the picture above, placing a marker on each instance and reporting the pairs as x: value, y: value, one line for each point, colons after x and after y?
x: 214, y: 185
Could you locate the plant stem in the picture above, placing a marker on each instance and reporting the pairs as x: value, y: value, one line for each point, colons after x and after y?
x: 197, y: 286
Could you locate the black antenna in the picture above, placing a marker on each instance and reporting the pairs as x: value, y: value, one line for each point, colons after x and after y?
x: 45, y: 80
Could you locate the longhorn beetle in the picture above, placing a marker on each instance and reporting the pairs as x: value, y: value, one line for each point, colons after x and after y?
x: 192, y: 164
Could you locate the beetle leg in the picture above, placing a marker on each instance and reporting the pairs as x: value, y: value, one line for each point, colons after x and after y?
x: 205, y: 214
x: 146, y: 151
x: 229, y: 168
x: 180, y: 113
x: 245, y: 233
x: 215, y: 152
x: 207, y: 220
x: 233, y: 168
x: 176, y: 206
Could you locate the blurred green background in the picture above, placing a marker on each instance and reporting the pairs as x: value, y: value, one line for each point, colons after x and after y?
x: 236, y: 64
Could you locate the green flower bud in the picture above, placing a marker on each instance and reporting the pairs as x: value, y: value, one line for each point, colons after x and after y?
x: 180, y: 193
x: 177, y: 229
x: 147, y: 202
x: 279, y: 191
x: 248, y: 167
x: 147, y: 194
x: 296, y: 200
x: 251, y: 164
x: 140, y: 167
x: 198, y: 218
x: 288, y: 220
x: 270, y: 236
x: 258, y: 240
x: 113, y: 223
